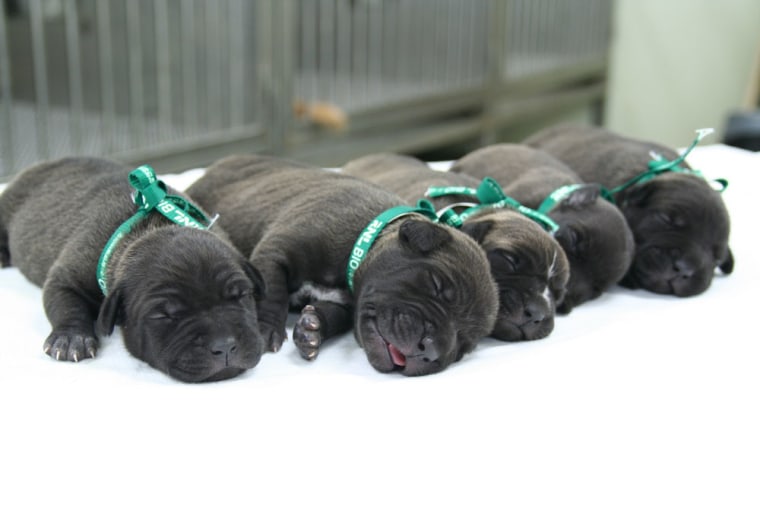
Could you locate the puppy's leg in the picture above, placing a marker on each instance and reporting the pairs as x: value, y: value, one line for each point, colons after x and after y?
x: 272, y: 309
x: 72, y: 315
x: 319, y: 322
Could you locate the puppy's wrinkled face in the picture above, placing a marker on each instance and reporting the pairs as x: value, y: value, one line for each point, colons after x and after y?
x: 187, y: 308
x: 681, y: 227
x: 599, y: 247
x: 424, y: 298
x: 530, y: 270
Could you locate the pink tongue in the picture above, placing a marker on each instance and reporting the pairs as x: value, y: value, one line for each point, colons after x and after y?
x: 398, y: 358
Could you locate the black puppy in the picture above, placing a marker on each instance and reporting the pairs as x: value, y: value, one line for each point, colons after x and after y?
x: 529, y: 266
x: 680, y: 223
x: 184, y: 297
x: 422, y: 295
x: 593, y: 233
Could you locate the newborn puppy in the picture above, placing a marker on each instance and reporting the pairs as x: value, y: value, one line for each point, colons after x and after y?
x: 593, y: 232
x: 528, y: 265
x: 184, y: 297
x: 680, y: 223
x: 422, y: 295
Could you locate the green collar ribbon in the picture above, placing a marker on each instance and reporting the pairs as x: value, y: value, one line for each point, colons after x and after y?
x: 659, y: 165
x: 490, y: 196
x: 150, y: 194
x: 372, y: 230
x: 557, y: 196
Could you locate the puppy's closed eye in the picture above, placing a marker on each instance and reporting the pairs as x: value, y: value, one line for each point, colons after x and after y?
x: 504, y: 261
x: 440, y: 288
x: 168, y: 311
x: 238, y: 291
x: 671, y: 219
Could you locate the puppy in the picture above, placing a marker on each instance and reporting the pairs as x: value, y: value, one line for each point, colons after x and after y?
x: 593, y: 233
x: 184, y: 297
x: 680, y: 223
x: 529, y: 266
x: 422, y: 297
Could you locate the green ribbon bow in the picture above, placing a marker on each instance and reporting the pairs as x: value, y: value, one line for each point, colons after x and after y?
x: 150, y: 194
x: 659, y: 165
x: 491, y: 196
x: 372, y: 230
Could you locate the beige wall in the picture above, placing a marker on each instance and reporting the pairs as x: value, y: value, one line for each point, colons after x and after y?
x: 679, y: 65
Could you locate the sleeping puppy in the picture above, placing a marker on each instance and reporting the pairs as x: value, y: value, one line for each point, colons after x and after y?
x: 528, y: 265
x: 184, y: 297
x: 593, y: 232
x: 422, y: 295
x: 680, y: 223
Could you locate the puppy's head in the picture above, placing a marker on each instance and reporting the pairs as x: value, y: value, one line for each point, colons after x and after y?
x: 681, y: 227
x: 597, y: 241
x: 424, y: 298
x: 186, y: 303
x: 530, y: 270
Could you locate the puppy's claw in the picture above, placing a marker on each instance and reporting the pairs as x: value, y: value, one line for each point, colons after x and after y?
x: 91, y: 352
x: 306, y: 333
x: 75, y: 356
x: 309, y: 319
x: 58, y: 355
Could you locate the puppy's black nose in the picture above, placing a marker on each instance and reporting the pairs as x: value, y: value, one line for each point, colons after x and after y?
x: 534, y: 313
x: 427, y: 351
x: 223, y: 348
x: 683, y: 269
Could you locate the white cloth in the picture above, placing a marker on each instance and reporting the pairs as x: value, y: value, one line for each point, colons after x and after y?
x: 635, y: 403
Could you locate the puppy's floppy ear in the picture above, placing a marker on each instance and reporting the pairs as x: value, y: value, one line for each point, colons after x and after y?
x: 111, y: 312
x: 478, y: 230
x: 259, y: 286
x: 584, y: 195
x: 637, y: 196
x: 727, y: 266
x: 422, y: 236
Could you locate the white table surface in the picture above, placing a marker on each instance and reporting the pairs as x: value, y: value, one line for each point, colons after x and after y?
x: 635, y: 403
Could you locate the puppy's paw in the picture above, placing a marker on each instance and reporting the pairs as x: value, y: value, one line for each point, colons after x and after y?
x: 306, y: 333
x: 65, y: 345
x: 273, y: 337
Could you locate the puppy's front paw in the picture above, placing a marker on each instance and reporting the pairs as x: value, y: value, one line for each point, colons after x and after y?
x: 65, y: 345
x: 306, y: 333
x: 273, y: 337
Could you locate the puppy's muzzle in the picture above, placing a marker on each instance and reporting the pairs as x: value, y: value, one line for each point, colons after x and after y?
x: 224, y: 351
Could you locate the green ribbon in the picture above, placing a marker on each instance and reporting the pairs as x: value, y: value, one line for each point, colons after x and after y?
x: 490, y: 196
x: 557, y: 196
x: 372, y: 230
x: 659, y: 165
x: 150, y: 194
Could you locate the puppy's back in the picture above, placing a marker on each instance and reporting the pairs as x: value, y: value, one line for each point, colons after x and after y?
x: 525, y: 173
x: 46, y: 206
x: 597, y: 154
x: 255, y: 194
x: 406, y: 176
x: 63, y: 177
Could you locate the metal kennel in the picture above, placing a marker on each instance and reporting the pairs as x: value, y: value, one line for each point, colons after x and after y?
x: 179, y: 83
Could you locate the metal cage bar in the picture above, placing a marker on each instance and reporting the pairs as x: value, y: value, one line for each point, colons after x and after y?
x: 7, y: 150
x: 137, y: 79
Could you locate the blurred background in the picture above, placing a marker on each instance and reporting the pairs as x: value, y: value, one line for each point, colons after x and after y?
x: 180, y: 83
